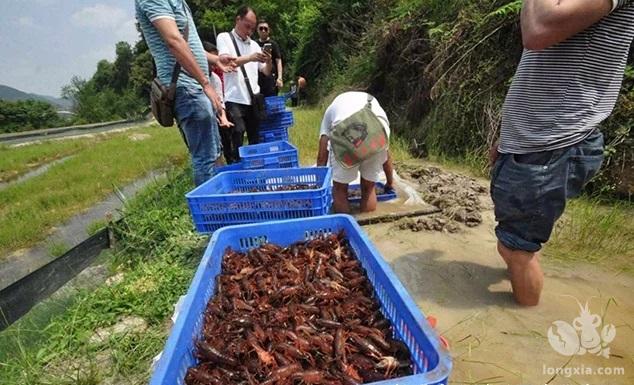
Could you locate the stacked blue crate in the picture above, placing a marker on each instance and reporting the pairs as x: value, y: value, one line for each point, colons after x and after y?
x: 275, y: 126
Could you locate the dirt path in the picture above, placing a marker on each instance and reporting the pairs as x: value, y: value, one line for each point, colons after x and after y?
x: 459, y: 278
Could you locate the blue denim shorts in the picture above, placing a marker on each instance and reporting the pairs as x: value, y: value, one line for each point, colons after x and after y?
x: 530, y: 190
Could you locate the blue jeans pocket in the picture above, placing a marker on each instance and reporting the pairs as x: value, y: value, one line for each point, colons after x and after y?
x: 585, y: 161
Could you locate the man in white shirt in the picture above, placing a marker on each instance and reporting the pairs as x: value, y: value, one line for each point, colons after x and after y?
x: 237, y: 96
x: 341, y: 109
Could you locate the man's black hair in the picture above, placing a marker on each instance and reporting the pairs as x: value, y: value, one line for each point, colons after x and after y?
x: 243, y: 10
x: 263, y: 21
x: 209, y: 47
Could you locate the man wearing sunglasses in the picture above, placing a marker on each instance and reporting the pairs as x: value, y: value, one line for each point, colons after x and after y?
x: 271, y: 84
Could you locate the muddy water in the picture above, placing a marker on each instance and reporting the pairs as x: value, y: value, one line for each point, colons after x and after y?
x: 460, y: 279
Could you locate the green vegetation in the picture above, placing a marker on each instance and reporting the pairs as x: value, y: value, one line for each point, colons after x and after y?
x: 16, y: 161
x: 594, y: 232
x: 158, y: 252
x: 441, y: 71
x: 117, y: 90
x: 28, y: 210
x: 57, y: 249
x: 24, y: 115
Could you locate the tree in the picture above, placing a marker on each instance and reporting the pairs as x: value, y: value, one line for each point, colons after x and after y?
x: 122, y: 67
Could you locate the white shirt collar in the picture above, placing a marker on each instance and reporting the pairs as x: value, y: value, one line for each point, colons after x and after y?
x: 245, y: 41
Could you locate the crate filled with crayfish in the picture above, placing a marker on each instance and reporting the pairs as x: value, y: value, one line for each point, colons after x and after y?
x: 299, y: 302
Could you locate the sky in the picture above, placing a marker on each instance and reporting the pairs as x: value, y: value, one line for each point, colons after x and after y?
x: 43, y: 43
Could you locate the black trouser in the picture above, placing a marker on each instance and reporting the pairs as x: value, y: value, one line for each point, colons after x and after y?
x: 244, y: 119
x: 268, y: 85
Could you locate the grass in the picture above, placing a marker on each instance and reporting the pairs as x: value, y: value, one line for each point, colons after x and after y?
x: 57, y: 249
x: 28, y: 210
x: 17, y: 161
x: 157, y: 254
x: 594, y: 232
x: 95, y: 226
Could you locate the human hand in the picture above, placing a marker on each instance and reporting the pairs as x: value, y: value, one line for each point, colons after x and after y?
x: 261, y: 57
x: 223, y: 122
x: 213, y: 97
x: 227, y: 63
x: 493, y: 153
x: 279, y: 83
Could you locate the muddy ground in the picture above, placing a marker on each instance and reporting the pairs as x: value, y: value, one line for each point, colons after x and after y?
x: 456, y: 275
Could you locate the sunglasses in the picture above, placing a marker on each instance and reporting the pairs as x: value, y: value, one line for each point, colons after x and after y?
x: 264, y: 29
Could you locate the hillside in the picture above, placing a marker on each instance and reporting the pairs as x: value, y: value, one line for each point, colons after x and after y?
x: 12, y: 94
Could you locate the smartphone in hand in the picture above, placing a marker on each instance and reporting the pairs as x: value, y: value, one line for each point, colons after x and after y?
x: 268, y: 48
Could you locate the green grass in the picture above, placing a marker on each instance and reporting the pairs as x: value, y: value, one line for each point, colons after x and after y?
x: 594, y: 232
x: 28, y: 210
x: 95, y: 226
x: 16, y: 161
x: 157, y: 253
x: 57, y: 249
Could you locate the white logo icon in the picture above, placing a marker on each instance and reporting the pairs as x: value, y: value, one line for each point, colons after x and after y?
x: 582, y: 336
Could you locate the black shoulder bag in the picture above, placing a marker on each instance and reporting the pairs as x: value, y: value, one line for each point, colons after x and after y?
x: 257, y: 100
x: 162, y: 98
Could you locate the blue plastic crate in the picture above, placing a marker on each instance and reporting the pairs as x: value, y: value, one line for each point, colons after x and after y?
x: 380, y: 198
x: 432, y: 363
x: 275, y: 104
x: 273, y: 135
x: 229, y: 167
x: 284, y: 119
x: 229, y: 198
x: 280, y: 154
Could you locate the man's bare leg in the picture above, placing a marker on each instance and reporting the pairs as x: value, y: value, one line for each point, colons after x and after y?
x: 368, y: 196
x: 527, y: 278
x: 340, y: 198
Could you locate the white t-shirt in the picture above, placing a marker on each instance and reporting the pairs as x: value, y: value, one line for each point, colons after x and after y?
x: 347, y: 104
x: 235, y: 87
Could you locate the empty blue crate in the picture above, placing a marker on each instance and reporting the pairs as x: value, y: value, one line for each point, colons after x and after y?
x: 275, y: 104
x: 279, y: 154
x: 281, y: 120
x: 237, y: 197
x: 430, y: 359
x: 273, y: 135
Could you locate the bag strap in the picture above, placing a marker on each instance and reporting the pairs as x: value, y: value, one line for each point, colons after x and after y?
x: 185, y: 33
x: 244, y: 71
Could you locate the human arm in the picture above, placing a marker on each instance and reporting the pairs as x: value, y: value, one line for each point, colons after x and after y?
x: 177, y: 45
x: 545, y: 23
x: 322, y: 154
x: 279, y: 82
x: 226, y: 63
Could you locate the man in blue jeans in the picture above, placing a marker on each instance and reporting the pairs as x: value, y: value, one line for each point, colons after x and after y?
x: 163, y: 23
x: 567, y: 82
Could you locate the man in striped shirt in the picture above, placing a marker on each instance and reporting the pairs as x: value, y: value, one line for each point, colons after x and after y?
x: 567, y: 83
x: 163, y: 23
